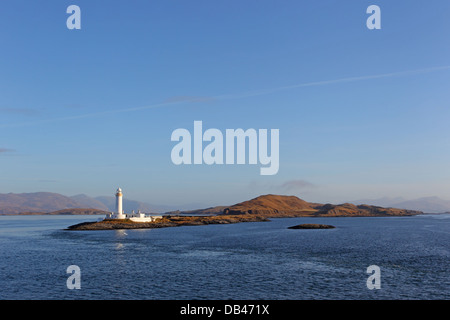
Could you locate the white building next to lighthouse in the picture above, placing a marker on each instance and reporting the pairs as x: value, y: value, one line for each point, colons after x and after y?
x: 135, y: 217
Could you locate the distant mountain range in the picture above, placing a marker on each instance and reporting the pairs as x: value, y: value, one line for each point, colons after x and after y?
x: 35, y: 202
x: 47, y: 202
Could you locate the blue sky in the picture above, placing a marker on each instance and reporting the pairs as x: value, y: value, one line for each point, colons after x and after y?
x: 362, y: 113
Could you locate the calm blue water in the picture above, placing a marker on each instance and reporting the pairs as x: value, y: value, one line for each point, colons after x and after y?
x: 262, y: 260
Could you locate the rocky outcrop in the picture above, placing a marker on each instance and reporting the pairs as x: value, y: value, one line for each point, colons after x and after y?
x: 312, y: 226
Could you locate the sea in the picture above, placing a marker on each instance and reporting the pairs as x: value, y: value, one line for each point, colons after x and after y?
x: 243, y: 261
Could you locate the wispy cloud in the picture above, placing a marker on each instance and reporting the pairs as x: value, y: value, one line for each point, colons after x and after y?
x: 183, y: 99
x: 334, y: 81
x: 5, y: 150
x: 20, y: 111
x: 47, y: 181
x: 189, y: 99
x: 290, y: 186
x: 295, y: 185
x: 88, y: 115
x: 74, y: 106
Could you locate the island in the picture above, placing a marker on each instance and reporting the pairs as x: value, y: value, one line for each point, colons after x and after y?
x: 260, y: 209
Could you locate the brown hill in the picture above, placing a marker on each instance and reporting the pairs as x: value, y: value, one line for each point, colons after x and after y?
x: 276, y: 205
x: 272, y: 205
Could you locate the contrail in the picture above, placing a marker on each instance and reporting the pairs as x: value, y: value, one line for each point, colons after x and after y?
x: 328, y: 82
x: 238, y: 96
x: 88, y: 115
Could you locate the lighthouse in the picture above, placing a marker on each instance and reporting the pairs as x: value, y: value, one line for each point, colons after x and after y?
x: 135, y: 217
x: 119, y: 208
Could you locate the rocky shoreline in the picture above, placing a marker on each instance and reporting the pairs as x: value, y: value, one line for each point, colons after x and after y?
x: 167, y: 221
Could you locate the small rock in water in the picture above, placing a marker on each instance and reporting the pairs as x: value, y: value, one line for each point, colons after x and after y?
x: 312, y: 226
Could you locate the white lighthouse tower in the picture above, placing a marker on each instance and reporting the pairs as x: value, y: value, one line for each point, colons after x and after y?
x: 135, y: 217
x: 119, y: 208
